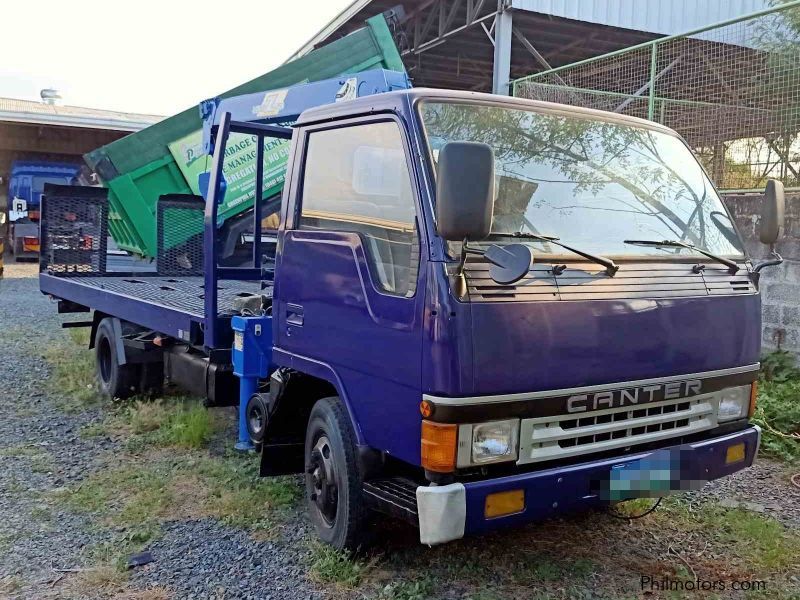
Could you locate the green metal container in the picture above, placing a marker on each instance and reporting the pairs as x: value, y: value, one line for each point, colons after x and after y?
x: 140, y: 167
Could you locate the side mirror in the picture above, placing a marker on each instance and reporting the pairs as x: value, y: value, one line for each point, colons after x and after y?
x: 772, y: 213
x: 465, y: 191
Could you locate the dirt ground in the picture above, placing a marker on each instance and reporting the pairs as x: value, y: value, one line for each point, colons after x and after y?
x: 87, y: 484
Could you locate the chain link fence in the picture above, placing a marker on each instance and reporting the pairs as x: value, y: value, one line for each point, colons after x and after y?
x: 732, y: 90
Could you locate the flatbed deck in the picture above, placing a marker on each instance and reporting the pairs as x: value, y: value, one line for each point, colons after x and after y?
x: 168, y: 304
x: 182, y: 293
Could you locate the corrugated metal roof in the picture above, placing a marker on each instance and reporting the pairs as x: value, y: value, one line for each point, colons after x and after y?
x: 29, y: 111
x: 669, y: 17
x: 665, y: 17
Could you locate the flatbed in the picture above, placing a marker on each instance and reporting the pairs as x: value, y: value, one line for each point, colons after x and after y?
x: 150, y: 292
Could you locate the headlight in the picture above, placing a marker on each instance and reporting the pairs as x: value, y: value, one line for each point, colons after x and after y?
x: 733, y: 403
x: 495, y: 441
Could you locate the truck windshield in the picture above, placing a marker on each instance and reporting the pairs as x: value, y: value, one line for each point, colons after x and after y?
x: 593, y: 183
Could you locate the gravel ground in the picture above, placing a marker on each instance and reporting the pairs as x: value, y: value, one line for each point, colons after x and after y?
x: 766, y: 488
x: 42, y: 452
x: 194, y: 558
x: 199, y: 558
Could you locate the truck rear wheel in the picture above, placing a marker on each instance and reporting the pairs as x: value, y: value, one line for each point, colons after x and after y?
x: 115, y: 380
x: 333, y: 483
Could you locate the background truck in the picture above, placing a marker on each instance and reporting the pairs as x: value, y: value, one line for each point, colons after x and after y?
x: 25, y: 187
x: 479, y: 310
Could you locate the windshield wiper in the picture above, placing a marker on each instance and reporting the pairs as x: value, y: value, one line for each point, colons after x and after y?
x: 610, y: 265
x: 733, y: 268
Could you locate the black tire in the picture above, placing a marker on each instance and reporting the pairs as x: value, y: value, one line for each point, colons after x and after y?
x: 115, y: 380
x: 330, y: 458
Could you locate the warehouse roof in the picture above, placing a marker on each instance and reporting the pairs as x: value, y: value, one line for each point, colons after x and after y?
x: 41, y: 113
x: 448, y: 43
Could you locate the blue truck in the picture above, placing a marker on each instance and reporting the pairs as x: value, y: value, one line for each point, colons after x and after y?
x: 25, y: 187
x: 466, y: 311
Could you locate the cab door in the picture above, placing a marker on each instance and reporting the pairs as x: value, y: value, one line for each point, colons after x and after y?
x: 349, y: 293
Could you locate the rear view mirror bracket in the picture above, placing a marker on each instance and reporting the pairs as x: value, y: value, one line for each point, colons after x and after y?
x: 776, y: 260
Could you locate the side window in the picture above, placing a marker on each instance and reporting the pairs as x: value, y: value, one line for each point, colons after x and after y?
x: 356, y: 179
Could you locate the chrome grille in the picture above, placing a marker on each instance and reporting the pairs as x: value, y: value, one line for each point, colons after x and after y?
x: 563, y: 436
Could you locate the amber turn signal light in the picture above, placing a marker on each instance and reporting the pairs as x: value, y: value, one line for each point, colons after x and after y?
x: 734, y: 454
x: 438, y: 449
x: 753, y: 397
x: 501, y: 504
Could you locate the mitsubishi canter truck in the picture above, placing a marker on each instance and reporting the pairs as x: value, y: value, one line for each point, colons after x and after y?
x: 478, y: 311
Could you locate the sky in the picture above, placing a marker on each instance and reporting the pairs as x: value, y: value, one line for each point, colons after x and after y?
x: 148, y: 56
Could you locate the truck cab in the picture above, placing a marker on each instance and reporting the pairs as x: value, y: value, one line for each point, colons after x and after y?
x: 451, y: 384
x: 25, y: 188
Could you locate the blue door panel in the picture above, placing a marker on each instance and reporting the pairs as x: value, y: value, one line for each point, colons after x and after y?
x: 371, y: 339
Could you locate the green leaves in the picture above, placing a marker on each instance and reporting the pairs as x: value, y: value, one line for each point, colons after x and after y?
x: 778, y: 406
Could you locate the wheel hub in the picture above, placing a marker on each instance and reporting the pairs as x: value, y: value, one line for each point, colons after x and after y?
x: 324, y: 494
x: 257, y: 419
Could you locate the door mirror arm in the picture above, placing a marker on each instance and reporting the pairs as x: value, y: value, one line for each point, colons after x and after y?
x: 776, y: 260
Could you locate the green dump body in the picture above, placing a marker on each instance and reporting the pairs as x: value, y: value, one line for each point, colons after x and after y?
x: 140, y: 167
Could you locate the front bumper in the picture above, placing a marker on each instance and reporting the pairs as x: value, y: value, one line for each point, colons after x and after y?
x: 449, y: 512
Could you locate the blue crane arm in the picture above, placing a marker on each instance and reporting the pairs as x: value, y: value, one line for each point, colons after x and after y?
x: 278, y: 109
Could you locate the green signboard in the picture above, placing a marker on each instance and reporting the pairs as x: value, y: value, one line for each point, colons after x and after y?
x: 239, y: 168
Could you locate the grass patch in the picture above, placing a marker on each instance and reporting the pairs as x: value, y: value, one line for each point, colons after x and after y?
x: 778, y: 407
x: 332, y: 566
x: 40, y: 460
x: 7, y: 541
x: 72, y: 378
x: 181, y: 423
x: 539, y: 567
x: 93, y: 430
x: 116, y: 552
x: 41, y: 513
x: 160, y: 486
x: 239, y: 497
x: 144, y: 417
x: 188, y: 427
x: 633, y: 508
x: 420, y: 589
x: 130, y: 495
x: 155, y: 593
x: 760, y: 541
x: 97, y: 580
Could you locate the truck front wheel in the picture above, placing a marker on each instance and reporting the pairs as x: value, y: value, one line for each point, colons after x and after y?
x: 333, y: 483
x: 115, y: 380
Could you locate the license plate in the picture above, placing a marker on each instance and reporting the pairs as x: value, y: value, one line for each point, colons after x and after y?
x: 658, y: 474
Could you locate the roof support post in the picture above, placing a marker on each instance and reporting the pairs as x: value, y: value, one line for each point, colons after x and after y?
x: 503, y: 34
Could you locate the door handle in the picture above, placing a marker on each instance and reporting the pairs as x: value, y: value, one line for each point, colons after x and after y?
x: 294, y: 314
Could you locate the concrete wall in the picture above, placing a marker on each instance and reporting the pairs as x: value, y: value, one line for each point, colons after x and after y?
x: 780, y: 286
